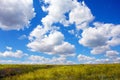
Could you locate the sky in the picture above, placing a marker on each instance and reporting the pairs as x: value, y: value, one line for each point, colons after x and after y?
x: 59, y: 31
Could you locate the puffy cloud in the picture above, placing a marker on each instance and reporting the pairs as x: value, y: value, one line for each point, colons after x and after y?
x: 53, y: 60
x: 111, y: 57
x: 15, y: 15
x: 37, y: 33
x: 78, y: 13
x: 104, y: 61
x: 9, y: 53
x: 93, y: 37
x: 48, y: 40
x: 64, y: 48
x: 112, y: 54
x: 37, y: 58
x: 84, y: 58
x: 101, y: 61
x: 101, y: 37
x: 51, y: 44
x: 8, y: 48
x: 9, y: 62
x: 100, y: 49
x: 56, y: 11
x: 92, y: 60
x: 117, y: 60
x: 115, y: 36
x: 107, y: 60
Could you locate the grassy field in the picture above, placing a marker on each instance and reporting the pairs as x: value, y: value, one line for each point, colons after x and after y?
x: 60, y: 72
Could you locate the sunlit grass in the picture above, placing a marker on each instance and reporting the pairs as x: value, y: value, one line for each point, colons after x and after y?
x: 68, y: 72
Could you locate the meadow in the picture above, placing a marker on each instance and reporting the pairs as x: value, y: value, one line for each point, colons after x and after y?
x: 60, y: 72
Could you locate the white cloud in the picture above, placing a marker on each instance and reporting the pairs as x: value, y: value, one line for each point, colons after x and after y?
x: 35, y: 59
x: 51, y: 44
x: 15, y: 15
x: 37, y: 33
x: 100, y: 49
x: 8, y: 48
x: 45, y: 39
x: 85, y: 58
x: 93, y: 37
x: 107, y: 60
x: 9, y: 53
x: 101, y: 37
x: 80, y: 15
x: 9, y: 62
x: 101, y: 61
x: 117, y: 60
x: 22, y: 37
x: 64, y: 48
x: 56, y: 11
x: 104, y: 61
x: 112, y: 54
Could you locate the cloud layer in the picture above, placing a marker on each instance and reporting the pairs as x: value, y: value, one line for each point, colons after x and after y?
x: 46, y: 38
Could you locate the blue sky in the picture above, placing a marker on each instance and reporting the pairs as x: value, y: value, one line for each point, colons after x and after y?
x: 59, y: 31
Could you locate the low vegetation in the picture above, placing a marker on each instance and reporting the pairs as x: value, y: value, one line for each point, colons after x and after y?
x: 60, y: 72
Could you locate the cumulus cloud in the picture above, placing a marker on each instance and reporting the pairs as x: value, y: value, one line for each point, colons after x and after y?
x: 48, y: 40
x: 10, y: 53
x: 64, y: 48
x: 101, y: 37
x: 112, y: 54
x: 78, y: 13
x: 107, y: 60
x: 54, y: 60
x: 37, y: 58
x: 15, y: 15
x: 111, y: 57
x: 100, y: 49
x: 56, y: 11
x: 9, y: 62
x: 51, y: 44
x: 103, y: 61
x: 84, y: 58
x: 93, y: 37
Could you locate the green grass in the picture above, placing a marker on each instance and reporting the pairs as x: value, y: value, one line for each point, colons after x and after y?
x: 65, y: 72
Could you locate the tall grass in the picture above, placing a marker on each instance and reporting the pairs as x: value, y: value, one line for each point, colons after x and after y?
x: 72, y: 72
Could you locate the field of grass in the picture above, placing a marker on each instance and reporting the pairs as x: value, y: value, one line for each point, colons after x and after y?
x: 60, y: 72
